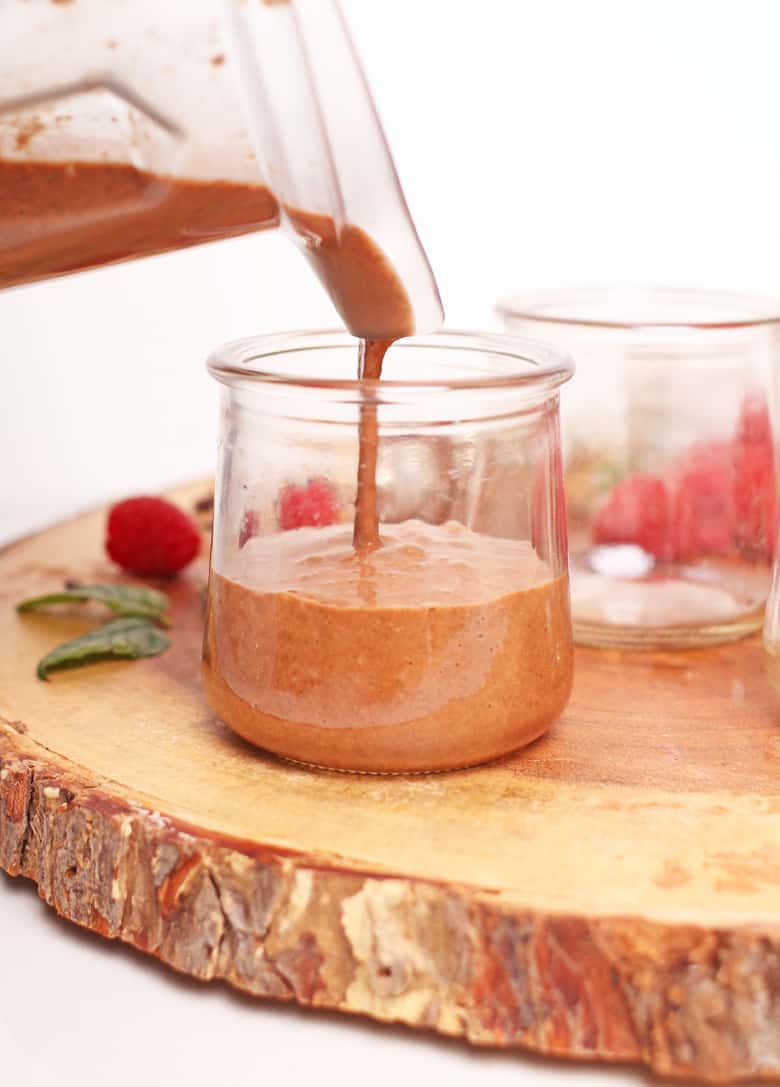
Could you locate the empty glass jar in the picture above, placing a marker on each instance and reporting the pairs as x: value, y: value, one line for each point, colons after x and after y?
x: 449, y: 643
x: 669, y: 451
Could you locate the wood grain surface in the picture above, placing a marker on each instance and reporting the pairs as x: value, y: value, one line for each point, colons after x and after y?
x: 612, y: 892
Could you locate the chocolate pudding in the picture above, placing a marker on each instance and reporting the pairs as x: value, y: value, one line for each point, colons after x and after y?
x: 441, y: 648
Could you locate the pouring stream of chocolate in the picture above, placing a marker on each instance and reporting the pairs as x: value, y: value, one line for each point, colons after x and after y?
x: 372, y: 300
x: 366, y: 532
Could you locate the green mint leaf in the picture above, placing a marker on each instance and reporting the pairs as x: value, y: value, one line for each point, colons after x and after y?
x: 125, y: 600
x: 120, y: 639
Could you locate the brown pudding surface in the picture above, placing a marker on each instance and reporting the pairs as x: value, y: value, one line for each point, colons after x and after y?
x: 441, y: 648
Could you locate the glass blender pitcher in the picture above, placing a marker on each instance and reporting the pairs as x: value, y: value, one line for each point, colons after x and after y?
x: 130, y: 127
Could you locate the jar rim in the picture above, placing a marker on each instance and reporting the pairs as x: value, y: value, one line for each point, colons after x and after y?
x: 685, y: 308
x: 549, y: 367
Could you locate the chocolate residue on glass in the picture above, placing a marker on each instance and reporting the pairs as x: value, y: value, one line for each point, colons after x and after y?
x: 27, y: 131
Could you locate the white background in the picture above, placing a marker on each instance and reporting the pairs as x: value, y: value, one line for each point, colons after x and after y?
x: 540, y: 143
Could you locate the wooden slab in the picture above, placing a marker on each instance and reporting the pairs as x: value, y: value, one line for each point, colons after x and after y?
x: 613, y: 893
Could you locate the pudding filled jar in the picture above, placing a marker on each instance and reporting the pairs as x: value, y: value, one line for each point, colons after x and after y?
x: 446, y: 643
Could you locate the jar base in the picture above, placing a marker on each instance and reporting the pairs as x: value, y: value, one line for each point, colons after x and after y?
x: 622, y: 598
x: 597, y: 636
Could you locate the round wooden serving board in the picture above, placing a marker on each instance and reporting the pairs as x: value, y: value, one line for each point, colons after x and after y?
x: 611, y: 893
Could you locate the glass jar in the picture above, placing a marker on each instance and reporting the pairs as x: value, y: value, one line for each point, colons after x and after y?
x: 669, y: 453
x: 450, y: 643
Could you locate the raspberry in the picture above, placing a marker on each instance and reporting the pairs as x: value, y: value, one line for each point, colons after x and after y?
x: 755, y: 498
x: 703, y: 504
x: 720, y: 497
x: 315, y: 504
x: 754, y: 424
x: 151, y: 537
x: 250, y: 526
x: 638, y: 511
